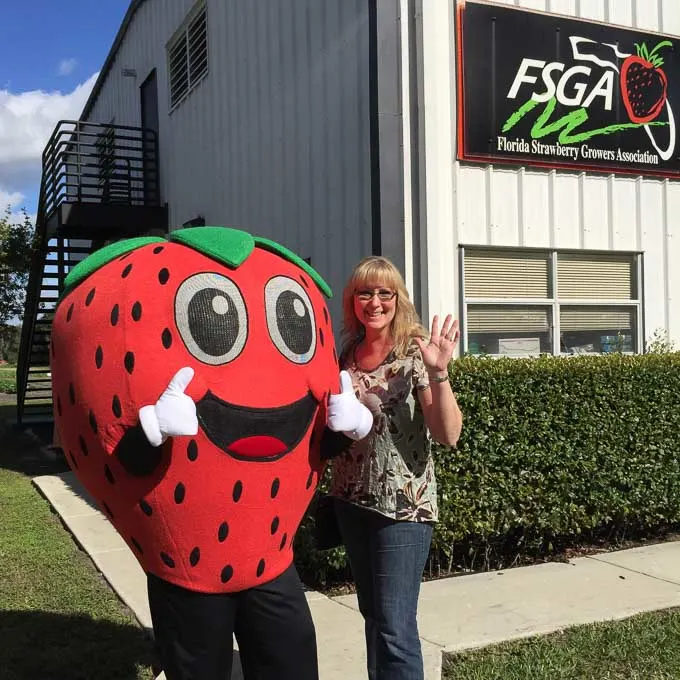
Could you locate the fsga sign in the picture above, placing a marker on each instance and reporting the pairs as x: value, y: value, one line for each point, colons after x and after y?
x: 575, y: 93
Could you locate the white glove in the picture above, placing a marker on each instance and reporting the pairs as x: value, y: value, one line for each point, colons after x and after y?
x: 346, y: 413
x: 173, y: 414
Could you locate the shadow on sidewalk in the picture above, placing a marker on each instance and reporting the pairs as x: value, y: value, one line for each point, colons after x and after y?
x: 37, y: 645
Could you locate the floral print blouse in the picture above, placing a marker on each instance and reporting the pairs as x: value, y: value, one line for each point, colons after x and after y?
x: 391, y: 470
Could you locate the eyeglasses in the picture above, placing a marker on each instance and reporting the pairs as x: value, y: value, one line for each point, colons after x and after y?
x: 384, y: 294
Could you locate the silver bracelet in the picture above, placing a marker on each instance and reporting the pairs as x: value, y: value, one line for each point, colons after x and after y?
x: 441, y: 379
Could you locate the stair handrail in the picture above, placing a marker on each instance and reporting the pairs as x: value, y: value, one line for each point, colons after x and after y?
x: 35, y: 276
x: 136, y: 147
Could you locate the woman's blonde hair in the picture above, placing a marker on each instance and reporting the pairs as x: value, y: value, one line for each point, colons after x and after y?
x: 406, y: 323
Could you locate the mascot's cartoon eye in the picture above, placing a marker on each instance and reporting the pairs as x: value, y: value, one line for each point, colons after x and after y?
x: 290, y: 319
x: 211, y: 317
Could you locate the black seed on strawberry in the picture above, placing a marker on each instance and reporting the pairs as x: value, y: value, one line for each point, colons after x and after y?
x: 157, y: 249
x: 89, y: 298
x: 284, y: 538
x: 163, y: 276
x: 107, y: 509
x: 69, y: 314
x: 126, y: 271
x: 146, y: 508
x: 114, y: 315
x: 138, y: 547
x: 167, y: 560
x: 192, y: 450
x: 238, y: 490
x: 93, y: 421
x: 129, y: 362
x: 325, y: 315
x: 124, y: 257
x: 321, y: 337
x: 276, y: 484
x: 226, y: 574
x: 115, y: 406
x: 166, y: 338
x: 223, y: 532
x: 83, y: 445
x: 109, y: 475
x: 275, y: 525
x: 194, y: 557
x: 180, y: 492
x: 260, y: 568
x: 99, y: 357
x: 310, y: 479
x: 137, y: 311
x: 73, y: 459
x: 58, y: 405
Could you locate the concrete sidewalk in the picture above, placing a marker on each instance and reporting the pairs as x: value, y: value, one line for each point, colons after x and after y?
x: 454, y: 614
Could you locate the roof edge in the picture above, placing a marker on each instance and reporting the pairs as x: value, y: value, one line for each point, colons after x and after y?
x: 108, y: 62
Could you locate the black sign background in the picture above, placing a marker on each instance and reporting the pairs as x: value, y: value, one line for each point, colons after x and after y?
x: 496, y: 39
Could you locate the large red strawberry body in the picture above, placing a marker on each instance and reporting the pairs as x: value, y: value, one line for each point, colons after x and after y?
x: 644, y: 84
x: 216, y: 512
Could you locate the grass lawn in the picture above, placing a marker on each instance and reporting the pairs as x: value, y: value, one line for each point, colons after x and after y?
x: 8, y: 378
x: 644, y: 647
x: 58, y: 617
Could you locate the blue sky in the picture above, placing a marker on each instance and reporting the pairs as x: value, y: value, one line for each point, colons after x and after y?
x: 50, y: 53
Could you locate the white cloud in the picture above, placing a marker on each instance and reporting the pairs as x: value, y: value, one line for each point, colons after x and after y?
x: 8, y: 200
x: 15, y: 201
x: 67, y: 66
x: 27, y: 119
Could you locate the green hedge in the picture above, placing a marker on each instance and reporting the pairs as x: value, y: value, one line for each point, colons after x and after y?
x: 554, y: 451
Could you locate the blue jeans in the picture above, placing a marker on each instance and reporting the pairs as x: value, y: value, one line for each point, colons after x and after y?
x: 387, y: 559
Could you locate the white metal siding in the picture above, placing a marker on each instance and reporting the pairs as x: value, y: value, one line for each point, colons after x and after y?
x: 493, y: 205
x: 275, y: 140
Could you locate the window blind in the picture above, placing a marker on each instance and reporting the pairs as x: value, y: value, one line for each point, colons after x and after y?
x: 597, y: 318
x: 506, y: 274
x: 583, y: 276
x: 507, y: 319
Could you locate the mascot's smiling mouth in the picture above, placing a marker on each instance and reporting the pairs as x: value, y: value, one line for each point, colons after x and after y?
x: 255, y: 434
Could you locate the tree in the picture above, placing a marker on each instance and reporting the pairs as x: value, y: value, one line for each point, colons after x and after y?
x: 16, y: 249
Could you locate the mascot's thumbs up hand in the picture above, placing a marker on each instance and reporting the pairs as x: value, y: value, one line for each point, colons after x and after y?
x: 346, y: 413
x: 173, y: 414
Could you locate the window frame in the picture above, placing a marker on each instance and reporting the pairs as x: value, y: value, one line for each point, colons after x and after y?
x: 181, y: 35
x: 554, y: 302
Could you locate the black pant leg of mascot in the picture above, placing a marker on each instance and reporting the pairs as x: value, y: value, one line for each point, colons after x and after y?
x: 275, y: 631
x: 193, y: 631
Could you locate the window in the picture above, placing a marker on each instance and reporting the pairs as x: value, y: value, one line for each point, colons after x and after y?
x: 188, y: 55
x: 530, y: 302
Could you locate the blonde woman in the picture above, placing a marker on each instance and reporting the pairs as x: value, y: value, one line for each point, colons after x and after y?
x: 384, y: 485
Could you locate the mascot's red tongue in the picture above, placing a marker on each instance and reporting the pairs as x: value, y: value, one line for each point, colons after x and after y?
x: 260, y: 446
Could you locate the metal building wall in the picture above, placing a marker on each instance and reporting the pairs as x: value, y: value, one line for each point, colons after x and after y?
x: 276, y: 139
x: 493, y: 205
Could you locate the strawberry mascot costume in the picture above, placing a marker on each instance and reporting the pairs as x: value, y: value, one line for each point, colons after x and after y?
x: 194, y: 382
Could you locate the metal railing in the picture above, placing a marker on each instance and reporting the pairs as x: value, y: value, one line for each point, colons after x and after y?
x: 100, y: 163
x: 89, y: 163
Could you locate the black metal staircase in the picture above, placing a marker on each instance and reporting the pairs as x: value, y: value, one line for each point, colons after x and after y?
x: 99, y: 184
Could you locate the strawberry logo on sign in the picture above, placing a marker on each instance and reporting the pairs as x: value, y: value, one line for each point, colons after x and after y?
x: 644, y: 84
